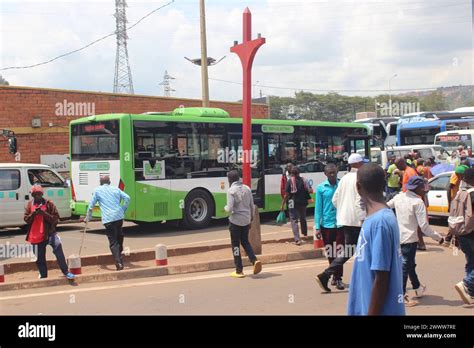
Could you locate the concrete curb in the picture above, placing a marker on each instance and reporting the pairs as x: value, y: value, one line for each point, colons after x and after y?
x: 163, y: 271
x: 137, y: 256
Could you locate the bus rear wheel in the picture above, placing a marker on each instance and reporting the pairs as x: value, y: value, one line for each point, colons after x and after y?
x: 198, y: 209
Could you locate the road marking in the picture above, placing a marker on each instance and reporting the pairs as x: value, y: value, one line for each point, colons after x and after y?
x: 165, y: 281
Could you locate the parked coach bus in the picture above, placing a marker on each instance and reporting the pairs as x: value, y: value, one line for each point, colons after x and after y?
x: 421, y: 133
x: 174, y: 165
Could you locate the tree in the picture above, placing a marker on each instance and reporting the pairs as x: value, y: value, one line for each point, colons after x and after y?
x: 434, y: 102
x: 3, y: 81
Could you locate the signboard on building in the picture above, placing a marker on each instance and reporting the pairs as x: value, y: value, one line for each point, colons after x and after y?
x: 60, y: 163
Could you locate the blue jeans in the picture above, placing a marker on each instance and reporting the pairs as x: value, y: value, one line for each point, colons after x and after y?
x: 467, y: 246
x: 409, y: 265
x: 40, y: 250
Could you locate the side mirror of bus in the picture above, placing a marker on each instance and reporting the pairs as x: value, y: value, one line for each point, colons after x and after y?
x: 12, y: 146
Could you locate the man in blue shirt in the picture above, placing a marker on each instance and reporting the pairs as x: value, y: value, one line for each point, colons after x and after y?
x: 325, y: 221
x: 112, y: 211
x: 376, y: 286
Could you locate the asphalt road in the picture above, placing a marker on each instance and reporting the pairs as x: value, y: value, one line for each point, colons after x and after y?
x: 287, y: 288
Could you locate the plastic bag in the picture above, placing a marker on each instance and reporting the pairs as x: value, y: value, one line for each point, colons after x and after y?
x: 281, y: 218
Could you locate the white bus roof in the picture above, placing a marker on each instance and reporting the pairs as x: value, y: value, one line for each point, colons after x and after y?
x: 409, y: 147
x: 465, y: 109
x: 459, y: 131
x: 23, y: 165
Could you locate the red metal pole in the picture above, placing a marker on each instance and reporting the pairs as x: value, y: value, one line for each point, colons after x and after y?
x: 246, y: 52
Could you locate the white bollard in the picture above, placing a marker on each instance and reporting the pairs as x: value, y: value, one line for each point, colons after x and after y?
x: 161, y: 255
x: 2, y: 274
x: 74, y: 263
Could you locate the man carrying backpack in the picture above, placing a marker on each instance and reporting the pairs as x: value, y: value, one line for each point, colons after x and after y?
x: 461, y: 224
x: 297, y: 194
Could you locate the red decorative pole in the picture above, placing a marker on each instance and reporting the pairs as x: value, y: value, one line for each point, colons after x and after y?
x: 246, y: 52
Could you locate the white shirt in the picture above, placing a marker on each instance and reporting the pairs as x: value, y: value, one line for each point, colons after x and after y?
x: 350, y: 210
x: 411, y: 213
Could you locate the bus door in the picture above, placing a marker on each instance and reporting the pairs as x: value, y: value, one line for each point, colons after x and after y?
x: 358, y: 144
x: 256, y: 163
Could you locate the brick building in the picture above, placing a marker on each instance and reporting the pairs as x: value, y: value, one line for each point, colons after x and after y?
x: 40, y: 117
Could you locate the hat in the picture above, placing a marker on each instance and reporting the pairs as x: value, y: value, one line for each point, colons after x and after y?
x: 414, y: 182
x: 36, y: 189
x: 356, y: 158
x: 461, y: 169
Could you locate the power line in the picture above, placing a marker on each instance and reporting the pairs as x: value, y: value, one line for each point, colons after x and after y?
x: 88, y: 45
x: 331, y: 90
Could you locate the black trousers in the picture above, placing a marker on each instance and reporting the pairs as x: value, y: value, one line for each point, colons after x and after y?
x: 115, y: 235
x: 351, y: 236
x: 239, y: 235
x: 40, y: 251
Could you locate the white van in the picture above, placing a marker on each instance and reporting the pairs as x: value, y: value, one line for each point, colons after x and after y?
x: 426, y: 151
x: 16, y: 180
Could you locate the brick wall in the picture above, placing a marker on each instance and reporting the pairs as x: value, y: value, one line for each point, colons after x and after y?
x: 20, y: 105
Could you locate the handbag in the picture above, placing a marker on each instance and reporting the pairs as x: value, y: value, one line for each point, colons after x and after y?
x: 281, y: 218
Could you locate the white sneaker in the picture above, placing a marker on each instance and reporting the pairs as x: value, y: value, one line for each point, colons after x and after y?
x: 462, y: 291
x: 420, y: 291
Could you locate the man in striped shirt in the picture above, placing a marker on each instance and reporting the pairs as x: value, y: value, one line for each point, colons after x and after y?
x: 112, y: 210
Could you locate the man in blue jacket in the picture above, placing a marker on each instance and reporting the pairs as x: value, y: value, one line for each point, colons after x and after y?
x: 325, y: 221
x: 112, y: 210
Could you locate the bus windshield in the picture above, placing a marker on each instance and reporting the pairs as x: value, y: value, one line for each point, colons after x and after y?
x: 95, y: 141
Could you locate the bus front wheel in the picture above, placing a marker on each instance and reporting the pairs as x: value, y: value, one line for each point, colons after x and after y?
x: 198, y: 209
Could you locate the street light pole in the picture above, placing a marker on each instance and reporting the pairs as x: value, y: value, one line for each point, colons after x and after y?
x: 204, y: 70
x: 390, y: 92
x: 246, y: 52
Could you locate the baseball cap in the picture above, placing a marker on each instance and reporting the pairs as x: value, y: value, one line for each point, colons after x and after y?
x: 414, y: 182
x: 36, y: 189
x: 461, y: 169
x: 356, y: 158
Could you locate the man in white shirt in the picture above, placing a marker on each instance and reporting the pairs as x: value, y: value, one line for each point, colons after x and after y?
x: 350, y: 214
x: 411, y: 213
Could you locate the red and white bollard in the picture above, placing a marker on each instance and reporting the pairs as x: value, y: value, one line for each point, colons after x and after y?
x: 318, y: 241
x: 2, y: 274
x: 74, y: 263
x: 161, y: 255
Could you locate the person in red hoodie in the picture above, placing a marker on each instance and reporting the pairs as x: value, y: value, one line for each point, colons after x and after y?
x: 42, y: 216
x: 284, y: 179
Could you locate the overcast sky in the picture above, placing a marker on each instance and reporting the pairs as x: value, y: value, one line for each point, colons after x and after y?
x: 311, y: 45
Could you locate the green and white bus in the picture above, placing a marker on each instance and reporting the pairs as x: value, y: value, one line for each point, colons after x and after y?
x: 174, y: 165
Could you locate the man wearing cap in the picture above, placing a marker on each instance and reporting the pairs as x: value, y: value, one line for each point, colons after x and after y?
x: 455, y: 182
x: 453, y: 189
x: 350, y: 214
x: 411, y: 214
x: 42, y: 217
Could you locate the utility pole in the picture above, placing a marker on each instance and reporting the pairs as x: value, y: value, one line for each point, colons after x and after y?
x: 166, y: 83
x: 390, y: 92
x: 204, y: 70
x: 123, y: 75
